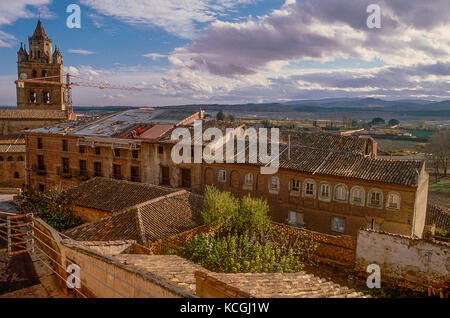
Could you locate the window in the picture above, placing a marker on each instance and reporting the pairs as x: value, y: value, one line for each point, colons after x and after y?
x: 97, y: 169
x: 117, y: 152
x: 41, y: 187
x: 135, y: 174
x: 185, y: 178
x: 10, y: 158
x: 1, y: 159
x: 309, y: 188
x: 222, y: 176
x: 393, y: 201
x: 97, y: 151
x: 41, y: 165
x: 39, y: 143
x: 274, y: 184
x: 34, y: 74
x: 249, y: 179
x: 375, y: 198
x: 135, y: 154
x: 65, y: 165
x: 83, y: 168
x: 117, y: 173
x: 295, y: 186
x: 16, y: 175
x: 33, y: 97
x: 165, y: 175
x: 44, y: 73
x: 82, y: 149
x: 20, y: 158
x: 338, y: 224
x: 325, y: 193
x: 357, y: 196
x: 46, y: 97
x: 65, y: 146
x: 160, y: 150
x: 340, y: 192
x: 296, y: 219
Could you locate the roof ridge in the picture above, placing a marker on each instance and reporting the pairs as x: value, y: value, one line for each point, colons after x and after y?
x: 169, y: 195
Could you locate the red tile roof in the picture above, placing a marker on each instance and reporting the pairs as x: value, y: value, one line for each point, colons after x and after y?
x: 39, y: 32
x: 114, y: 195
x: 146, y: 223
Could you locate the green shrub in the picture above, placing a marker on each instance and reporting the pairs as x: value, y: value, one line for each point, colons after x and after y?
x: 53, y: 207
x: 229, y: 214
x: 242, y: 253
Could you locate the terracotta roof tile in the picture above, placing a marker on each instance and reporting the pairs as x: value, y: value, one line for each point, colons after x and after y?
x: 146, y: 223
x: 114, y: 195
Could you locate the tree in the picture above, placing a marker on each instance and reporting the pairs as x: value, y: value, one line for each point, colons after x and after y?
x: 422, y: 124
x: 378, y: 121
x: 439, y: 148
x: 393, y: 122
x: 220, y: 115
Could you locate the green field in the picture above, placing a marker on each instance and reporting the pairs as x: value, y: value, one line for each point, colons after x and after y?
x: 421, y: 133
x: 396, y: 145
x: 443, y: 186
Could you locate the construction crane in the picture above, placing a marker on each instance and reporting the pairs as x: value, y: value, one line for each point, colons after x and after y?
x: 49, y: 80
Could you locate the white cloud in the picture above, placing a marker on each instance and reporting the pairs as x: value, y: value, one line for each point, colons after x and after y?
x: 11, y: 11
x: 155, y: 56
x: 174, y: 16
x: 79, y: 51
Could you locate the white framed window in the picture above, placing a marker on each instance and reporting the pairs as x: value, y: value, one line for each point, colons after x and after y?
x: 309, y: 188
x: 340, y: 192
x: 249, y: 179
x: 393, y: 201
x: 325, y: 191
x: 274, y: 183
x: 357, y: 195
x: 296, y: 219
x: 295, y: 185
x: 338, y: 224
x: 222, y: 176
x: 375, y: 198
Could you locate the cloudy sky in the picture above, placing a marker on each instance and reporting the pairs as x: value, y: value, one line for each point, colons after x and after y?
x: 239, y: 51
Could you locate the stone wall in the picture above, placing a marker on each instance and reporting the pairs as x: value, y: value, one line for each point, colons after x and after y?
x: 405, y: 260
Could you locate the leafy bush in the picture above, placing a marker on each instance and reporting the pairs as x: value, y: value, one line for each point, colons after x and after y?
x: 245, y: 239
x: 229, y: 214
x: 242, y: 253
x: 53, y: 207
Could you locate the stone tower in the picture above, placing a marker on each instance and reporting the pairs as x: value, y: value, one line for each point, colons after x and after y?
x: 40, y: 62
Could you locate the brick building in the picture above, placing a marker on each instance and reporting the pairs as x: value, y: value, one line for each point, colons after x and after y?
x: 38, y: 105
x: 328, y: 183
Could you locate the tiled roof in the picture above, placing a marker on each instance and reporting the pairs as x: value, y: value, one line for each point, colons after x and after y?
x: 39, y: 32
x: 183, y: 273
x: 12, y: 148
x: 32, y: 114
x: 114, y: 195
x: 12, y: 139
x: 344, y: 164
x: 439, y: 216
x: 332, y: 142
x: 281, y: 285
x: 146, y: 223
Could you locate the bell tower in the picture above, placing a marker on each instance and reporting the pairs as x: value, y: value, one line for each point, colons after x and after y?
x: 39, y: 63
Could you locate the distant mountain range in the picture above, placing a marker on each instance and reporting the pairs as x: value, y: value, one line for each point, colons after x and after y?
x: 325, y: 105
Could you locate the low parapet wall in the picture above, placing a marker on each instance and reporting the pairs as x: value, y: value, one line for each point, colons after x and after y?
x: 105, y: 277
x: 414, y: 263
